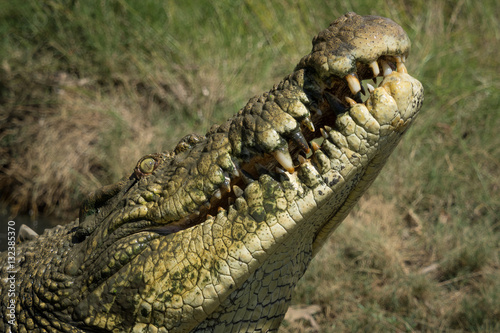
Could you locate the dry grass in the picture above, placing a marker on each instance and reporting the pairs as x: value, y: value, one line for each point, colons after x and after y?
x: 60, y: 153
x: 376, y: 274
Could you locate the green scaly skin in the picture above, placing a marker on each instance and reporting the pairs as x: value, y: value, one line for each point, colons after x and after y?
x: 213, y: 236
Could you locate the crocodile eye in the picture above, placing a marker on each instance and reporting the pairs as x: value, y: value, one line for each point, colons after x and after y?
x: 147, y: 165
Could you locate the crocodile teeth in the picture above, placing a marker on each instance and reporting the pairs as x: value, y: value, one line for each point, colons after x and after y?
x: 324, y: 134
x: 225, y: 185
x: 284, y: 159
x: 237, y: 191
x: 386, y: 68
x: 308, y: 123
x: 218, y: 194
x: 298, y: 137
x: 370, y: 88
x: 302, y: 159
x: 401, y: 67
x: 315, y: 146
x: 236, y: 173
x: 234, y: 169
x: 375, y: 68
x: 353, y: 83
x: 350, y: 101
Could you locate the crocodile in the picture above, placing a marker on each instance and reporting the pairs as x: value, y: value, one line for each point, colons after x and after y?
x: 213, y: 235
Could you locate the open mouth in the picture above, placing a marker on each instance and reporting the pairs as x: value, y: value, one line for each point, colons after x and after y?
x: 348, y: 93
x: 336, y: 98
x: 325, y: 102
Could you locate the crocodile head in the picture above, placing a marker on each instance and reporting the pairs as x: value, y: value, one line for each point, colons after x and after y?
x: 214, y: 234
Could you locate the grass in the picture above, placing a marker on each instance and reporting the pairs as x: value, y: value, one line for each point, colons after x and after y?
x: 87, y: 88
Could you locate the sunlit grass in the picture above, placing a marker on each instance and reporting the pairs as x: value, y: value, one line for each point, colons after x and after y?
x: 88, y: 87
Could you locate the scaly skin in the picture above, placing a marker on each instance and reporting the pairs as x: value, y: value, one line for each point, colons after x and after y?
x: 213, y: 236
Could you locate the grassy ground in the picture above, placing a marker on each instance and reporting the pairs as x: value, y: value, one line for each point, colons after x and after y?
x: 88, y: 87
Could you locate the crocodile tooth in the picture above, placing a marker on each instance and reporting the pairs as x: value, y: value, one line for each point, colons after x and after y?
x: 218, y: 194
x: 283, y: 157
x: 350, y: 101
x: 375, y: 68
x: 315, y: 146
x: 237, y: 191
x: 386, y: 67
x: 234, y: 169
x: 370, y: 88
x: 302, y: 159
x: 353, y: 83
x: 298, y: 137
x: 226, y: 184
x: 220, y: 209
x: 401, y: 67
x: 323, y: 133
x: 308, y: 123
x: 236, y: 173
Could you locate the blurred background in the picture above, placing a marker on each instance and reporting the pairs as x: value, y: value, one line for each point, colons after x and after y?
x: 88, y: 87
